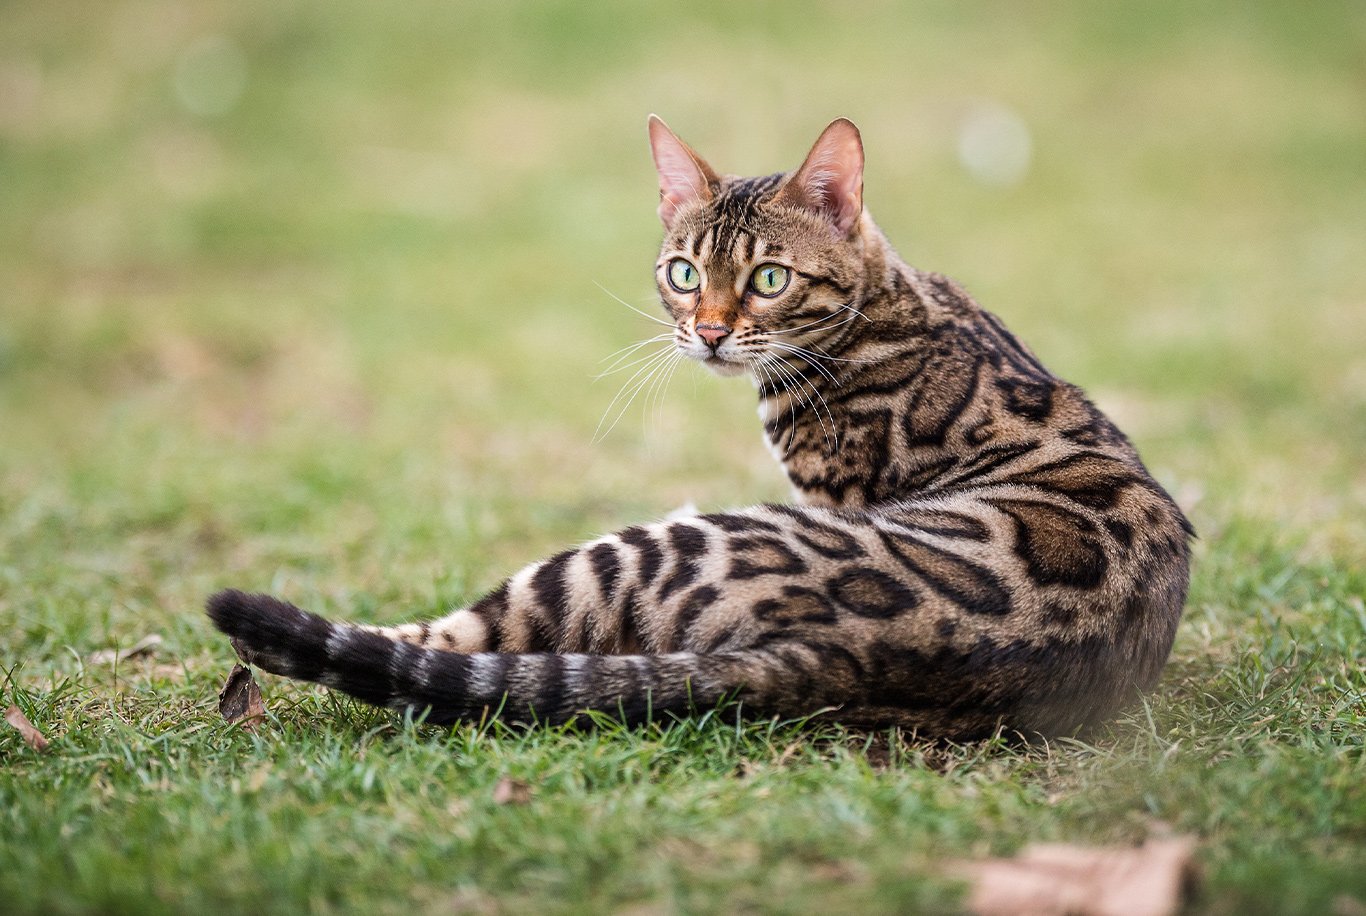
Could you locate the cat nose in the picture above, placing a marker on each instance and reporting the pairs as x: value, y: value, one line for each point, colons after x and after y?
x: 712, y: 333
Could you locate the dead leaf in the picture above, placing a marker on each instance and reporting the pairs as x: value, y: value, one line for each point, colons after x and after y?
x: 1060, y: 880
x: 145, y: 646
x: 240, y: 699
x: 32, y: 737
x: 511, y: 792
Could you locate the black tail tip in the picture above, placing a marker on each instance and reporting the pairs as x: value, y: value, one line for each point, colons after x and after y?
x: 237, y: 613
x: 225, y: 607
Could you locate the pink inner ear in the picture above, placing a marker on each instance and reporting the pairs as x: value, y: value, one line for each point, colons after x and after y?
x: 683, y: 177
x: 830, y: 181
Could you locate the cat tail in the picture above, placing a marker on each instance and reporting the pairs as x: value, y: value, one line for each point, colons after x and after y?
x: 538, y: 687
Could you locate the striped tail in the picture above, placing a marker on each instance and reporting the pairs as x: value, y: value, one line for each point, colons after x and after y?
x: 451, y: 687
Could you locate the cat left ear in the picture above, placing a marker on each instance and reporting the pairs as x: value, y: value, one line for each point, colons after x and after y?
x: 830, y: 181
x: 684, y: 178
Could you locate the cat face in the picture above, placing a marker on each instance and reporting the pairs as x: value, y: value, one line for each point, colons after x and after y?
x: 754, y: 271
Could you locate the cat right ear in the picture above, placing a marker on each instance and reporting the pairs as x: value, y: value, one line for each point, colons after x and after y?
x: 830, y: 181
x: 684, y: 178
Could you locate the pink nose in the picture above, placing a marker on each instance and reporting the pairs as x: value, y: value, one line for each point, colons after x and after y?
x: 712, y: 333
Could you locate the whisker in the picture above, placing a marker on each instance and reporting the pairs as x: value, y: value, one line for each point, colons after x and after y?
x: 802, y: 355
x: 823, y: 318
x: 795, y: 390
x: 791, y: 403
x: 645, y: 315
x: 840, y: 306
x: 654, y: 362
x: 614, y: 369
x: 626, y: 405
x: 849, y: 308
x: 795, y: 382
x: 666, y: 377
x: 822, y: 354
x: 815, y: 392
x: 632, y: 347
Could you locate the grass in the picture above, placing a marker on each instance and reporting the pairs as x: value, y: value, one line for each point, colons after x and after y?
x: 305, y: 299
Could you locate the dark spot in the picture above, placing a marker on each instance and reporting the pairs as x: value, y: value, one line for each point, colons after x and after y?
x: 797, y: 605
x: 648, y: 550
x: 1092, y: 480
x: 937, y: 397
x: 1096, y: 431
x: 759, y: 556
x: 1058, y: 614
x: 1120, y: 531
x: 974, y: 588
x: 979, y: 432
x: 1027, y: 397
x: 825, y: 540
x: 1059, y: 546
x: 694, y: 603
x: 551, y: 592
x: 628, y: 633
x: 689, y: 544
x: 607, y: 569
x: 872, y: 593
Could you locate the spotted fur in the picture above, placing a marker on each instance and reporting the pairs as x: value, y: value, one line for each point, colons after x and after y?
x: 974, y: 544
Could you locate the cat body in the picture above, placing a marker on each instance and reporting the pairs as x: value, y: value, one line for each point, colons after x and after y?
x: 975, y: 545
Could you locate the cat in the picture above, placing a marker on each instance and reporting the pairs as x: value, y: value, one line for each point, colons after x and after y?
x: 975, y: 547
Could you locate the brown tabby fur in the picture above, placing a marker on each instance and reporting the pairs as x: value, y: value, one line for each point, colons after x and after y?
x: 975, y: 545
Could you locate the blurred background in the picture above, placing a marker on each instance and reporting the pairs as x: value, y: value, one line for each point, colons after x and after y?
x: 311, y: 296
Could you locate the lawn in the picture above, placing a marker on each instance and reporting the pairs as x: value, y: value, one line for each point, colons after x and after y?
x: 309, y: 298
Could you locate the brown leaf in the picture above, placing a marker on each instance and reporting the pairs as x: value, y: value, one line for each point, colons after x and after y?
x: 511, y: 792
x: 32, y: 737
x: 240, y: 699
x: 145, y: 646
x: 1049, y: 879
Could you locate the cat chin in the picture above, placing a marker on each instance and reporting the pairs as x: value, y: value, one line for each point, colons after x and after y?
x: 725, y: 366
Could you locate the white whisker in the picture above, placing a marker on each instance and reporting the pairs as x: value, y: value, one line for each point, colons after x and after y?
x: 632, y: 347
x: 819, y: 355
x: 794, y: 391
x: 795, y: 382
x: 634, y: 383
x: 662, y: 387
x: 802, y: 355
x: 614, y: 369
x: 823, y: 318
x: 791, y: 402
x: 849, y: 308
x: 645, y: 315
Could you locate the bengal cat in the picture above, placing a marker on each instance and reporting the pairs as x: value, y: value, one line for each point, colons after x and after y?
x: 974, y: 545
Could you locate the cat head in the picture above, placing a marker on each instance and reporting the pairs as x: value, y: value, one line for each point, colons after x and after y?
x: 753, y: 270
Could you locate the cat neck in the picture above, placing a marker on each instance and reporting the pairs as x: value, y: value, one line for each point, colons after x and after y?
x: 919, y: 383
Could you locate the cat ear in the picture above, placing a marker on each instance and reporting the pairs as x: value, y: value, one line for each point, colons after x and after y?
x: 683, y: 177
x: 830, y: 181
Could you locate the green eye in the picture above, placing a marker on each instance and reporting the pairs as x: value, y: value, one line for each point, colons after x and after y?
x: 769, y: 279
x: 683, y: 276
